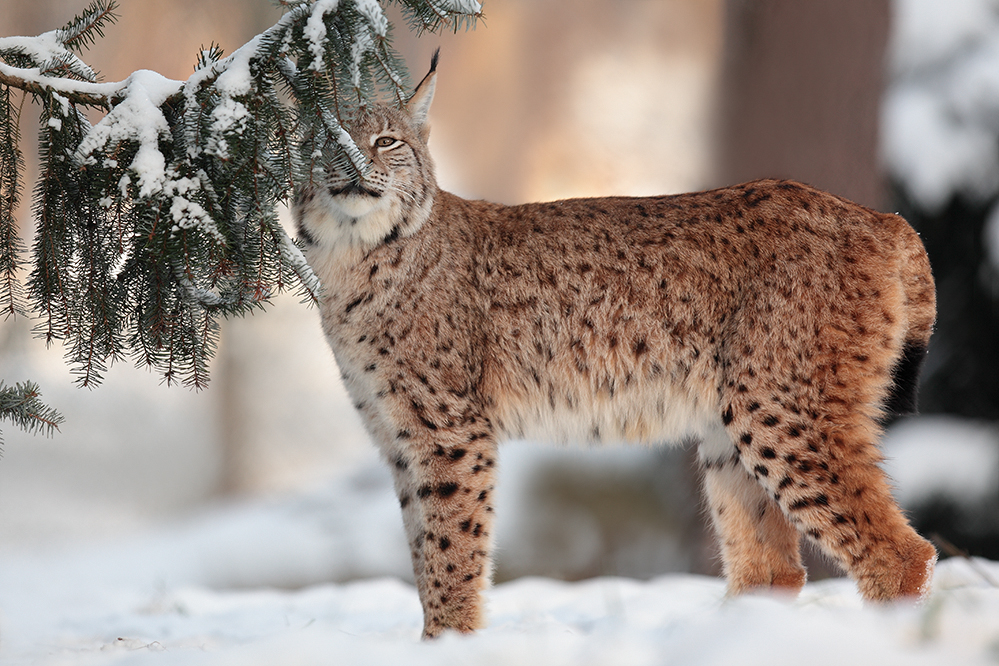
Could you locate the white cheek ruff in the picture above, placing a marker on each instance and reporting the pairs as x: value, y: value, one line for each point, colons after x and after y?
x: 354, y: 206
x: 350, y: 220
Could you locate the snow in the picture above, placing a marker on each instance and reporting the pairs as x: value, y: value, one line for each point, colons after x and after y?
x: 222, y: 589
x: 254, y: 581
x: 932, y: 154
x: 371, y: 10
x: 940, y: 116
x: 361, y: 45
x: 47, y: 50
x: 315, y: 31
x: 942, y: 456
x: 467, y: 7
x: 228, y: 116
x: 322, y: 574
x: 292, y: 255
x: 137, y: 118
x: 189, y: 214
x: 927, y: 32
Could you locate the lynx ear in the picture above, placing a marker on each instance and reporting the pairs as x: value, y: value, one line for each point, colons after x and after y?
x: 419, y: 104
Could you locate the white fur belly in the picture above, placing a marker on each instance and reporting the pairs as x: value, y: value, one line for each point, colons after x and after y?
x: 655, y: 414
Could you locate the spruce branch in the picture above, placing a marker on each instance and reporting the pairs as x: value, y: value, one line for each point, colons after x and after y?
x: 21, y: 404
x: 160, y: 218
x: 83, y: 30
x: 11, y: 165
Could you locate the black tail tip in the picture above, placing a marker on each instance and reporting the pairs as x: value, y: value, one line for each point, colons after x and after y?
x: 903, y: 398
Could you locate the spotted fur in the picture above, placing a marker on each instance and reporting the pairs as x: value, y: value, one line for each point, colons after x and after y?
x: 765, y: 320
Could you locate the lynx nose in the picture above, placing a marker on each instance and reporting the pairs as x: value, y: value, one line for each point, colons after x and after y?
x: 354, y: 188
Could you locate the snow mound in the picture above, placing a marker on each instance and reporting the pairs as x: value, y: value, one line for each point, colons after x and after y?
x: 942, y: 456
x: 940, y: 117
x: 674, y: 619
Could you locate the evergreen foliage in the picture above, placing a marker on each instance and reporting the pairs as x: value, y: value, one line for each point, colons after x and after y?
x: 20, y: 404
x: 161, y: 217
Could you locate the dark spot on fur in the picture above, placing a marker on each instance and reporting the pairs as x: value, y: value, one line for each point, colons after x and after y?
x: 447, y: 489
x: 771, y: 420
x: 761, y: 470
x: 444, y: 543
x: 392, y: 235
x: 767, y: 452
x: 353, y: 304
x: 727, y: 416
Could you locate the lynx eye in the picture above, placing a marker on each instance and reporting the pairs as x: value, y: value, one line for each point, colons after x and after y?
x: 385, y: 141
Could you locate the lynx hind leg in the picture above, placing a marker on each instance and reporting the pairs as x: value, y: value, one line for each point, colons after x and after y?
x: 445, y: 482
x: 818, y: 460
x: 759, y: 547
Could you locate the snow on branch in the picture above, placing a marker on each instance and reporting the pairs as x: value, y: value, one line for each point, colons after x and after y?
x: 160, y: 217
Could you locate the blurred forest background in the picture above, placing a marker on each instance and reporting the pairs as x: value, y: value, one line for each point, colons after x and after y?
x: 892, y: 104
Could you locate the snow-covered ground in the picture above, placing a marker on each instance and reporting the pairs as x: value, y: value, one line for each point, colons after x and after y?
x: 121, y: 559
x: 223, y: 588
x: 241, y: 583
x: 246, y: 582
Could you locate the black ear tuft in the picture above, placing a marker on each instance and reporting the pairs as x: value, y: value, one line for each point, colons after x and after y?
x: 433, y: 60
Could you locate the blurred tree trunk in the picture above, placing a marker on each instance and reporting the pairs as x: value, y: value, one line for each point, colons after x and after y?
x: 801, y: 87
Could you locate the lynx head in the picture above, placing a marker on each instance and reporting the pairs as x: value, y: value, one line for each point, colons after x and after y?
x: 394, y: 197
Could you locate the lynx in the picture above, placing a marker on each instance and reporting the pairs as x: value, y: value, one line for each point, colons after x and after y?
x: 775, y: 323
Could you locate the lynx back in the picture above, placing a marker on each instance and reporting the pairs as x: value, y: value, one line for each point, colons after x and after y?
x: 772, y: 322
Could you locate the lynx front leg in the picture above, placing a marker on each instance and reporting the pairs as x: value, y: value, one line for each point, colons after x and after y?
x: 445, y: 484
x: 759, y: 546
